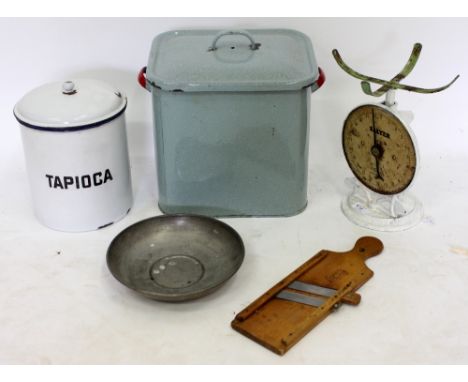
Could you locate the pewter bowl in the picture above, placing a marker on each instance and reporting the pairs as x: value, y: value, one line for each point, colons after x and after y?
x: 175, y: 257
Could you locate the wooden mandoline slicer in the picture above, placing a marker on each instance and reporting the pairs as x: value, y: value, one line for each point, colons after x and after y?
x: 289, y: 310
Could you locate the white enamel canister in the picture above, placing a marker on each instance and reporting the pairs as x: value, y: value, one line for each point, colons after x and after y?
x: 76, y: 151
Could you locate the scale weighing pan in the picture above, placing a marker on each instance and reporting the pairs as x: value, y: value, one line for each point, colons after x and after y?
x: 175, y: 257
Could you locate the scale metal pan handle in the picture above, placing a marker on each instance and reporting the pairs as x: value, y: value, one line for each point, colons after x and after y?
x: 394, y: 83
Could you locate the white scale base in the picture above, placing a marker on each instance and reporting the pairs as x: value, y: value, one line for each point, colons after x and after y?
x: 381, y: 212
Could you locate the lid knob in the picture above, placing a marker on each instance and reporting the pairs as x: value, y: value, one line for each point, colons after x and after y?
x: 68, y: 87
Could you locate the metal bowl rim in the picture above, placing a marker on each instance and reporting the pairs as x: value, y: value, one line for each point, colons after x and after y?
x: 179, y: 297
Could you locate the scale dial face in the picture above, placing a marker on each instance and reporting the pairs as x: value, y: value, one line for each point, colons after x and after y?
x: 379, y: 149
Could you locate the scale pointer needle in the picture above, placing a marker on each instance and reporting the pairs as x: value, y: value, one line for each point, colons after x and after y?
x: 376, y: 150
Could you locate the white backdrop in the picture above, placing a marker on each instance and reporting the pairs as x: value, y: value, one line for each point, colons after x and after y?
x: 37, y: 51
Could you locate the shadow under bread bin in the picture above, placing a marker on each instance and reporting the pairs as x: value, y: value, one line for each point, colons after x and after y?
x: 231, y: 120
x: 75, y: 146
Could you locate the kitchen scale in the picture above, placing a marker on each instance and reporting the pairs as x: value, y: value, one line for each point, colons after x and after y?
x: 381, y: 151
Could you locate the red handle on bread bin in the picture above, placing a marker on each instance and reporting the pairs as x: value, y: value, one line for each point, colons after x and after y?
x: 320, y: 81
x: 142, y: 79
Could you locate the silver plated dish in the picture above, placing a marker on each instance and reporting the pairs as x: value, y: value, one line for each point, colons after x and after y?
x: 175, y: 257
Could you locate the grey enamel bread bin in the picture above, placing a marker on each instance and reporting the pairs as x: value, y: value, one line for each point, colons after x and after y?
x: 231, y: 120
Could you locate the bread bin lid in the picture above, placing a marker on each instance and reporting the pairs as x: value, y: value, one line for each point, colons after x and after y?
x: 239, y: 60
x: 70, y: 105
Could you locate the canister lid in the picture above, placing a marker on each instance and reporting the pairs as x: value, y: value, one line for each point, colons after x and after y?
x: 235, y: 60
x: 70, y: 105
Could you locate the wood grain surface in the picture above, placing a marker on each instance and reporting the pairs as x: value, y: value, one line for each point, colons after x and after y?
x: 278, y: 324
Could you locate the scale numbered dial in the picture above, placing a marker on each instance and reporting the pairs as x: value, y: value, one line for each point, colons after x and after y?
x: 379, y: 149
